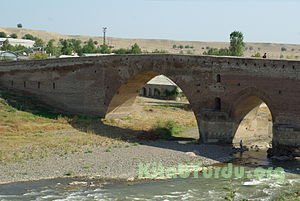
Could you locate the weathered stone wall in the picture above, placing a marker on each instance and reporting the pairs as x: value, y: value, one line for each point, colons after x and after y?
x: 99, y: 85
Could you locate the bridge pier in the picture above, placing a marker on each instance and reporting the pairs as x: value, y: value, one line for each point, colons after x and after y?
x: 286, y: 140
x: 215, y: 127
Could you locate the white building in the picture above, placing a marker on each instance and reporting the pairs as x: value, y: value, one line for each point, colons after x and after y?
x: 158, y: 87
x: 15, y: 41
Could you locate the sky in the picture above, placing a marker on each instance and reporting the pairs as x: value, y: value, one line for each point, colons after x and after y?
x: 194, y: 20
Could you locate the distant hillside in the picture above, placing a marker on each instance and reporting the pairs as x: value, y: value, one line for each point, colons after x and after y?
x: 274, y: 50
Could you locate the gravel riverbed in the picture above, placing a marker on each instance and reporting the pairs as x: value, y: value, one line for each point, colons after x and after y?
x: 119, y: 162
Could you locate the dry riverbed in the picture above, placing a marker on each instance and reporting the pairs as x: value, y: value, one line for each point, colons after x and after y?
x: 38, y: 143
x: 119, y: 161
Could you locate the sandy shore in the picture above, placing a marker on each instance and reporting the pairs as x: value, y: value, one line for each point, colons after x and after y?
x: 118, y: 162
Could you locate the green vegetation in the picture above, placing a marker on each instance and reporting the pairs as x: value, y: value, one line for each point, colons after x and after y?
x: 3, y: 35
x: 166, y: 129
x: 157, y: 51
x: 236, y: 48
x: 257, y: 54
x: 171, y: 94
x: 217, y: 52
x: 28, y: 129
x: 236, y: 44
x: 17, y: 49
x: 294, y: 196
x: 13, y: 35
x: 135, y: 49
x: 283, y: 49
x: 38, y: 56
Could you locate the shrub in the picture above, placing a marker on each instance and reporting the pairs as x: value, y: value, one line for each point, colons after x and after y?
x: 283, y: 49
x: 157, y: 51
x: 3, y: 35
x: 13, y: 35
x: 38, y: 56
x: 257, y: 54
x: 166, y: 129
x: 174, y: 46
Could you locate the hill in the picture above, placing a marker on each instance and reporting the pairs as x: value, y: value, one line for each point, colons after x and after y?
x: 274, y: 50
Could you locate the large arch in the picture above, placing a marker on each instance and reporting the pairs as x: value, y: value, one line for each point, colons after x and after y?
x: 125, y: 95
x: 248, y: 99
x: 247, y: 107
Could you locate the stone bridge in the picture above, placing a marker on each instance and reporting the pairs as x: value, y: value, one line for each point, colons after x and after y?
x: 221, y: 90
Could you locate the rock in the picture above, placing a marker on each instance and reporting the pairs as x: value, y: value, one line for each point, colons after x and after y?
x: 78, y: 183
x: 191, y: 154
x: 130, y: 179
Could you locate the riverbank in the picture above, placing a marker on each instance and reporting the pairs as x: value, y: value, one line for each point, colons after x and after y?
x: 113, y: 162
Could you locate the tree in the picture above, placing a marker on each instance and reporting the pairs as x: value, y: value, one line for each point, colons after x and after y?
x: 38, y: 42
x: 89, y: 47
x: 13, y: 35
x: 28, y: 37
x: 6, y: 46
x: 19, y: 25
x: 51, y: 49
x: 104, y: 49
x: 236, y: 43
x: 135, y: 49
x: 70, y: 46
x: 3, y: 35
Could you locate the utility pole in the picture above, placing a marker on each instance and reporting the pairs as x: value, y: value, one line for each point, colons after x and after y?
x: 104, y: 36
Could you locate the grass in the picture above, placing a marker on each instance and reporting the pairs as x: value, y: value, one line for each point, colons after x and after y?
x: 166, y: 129
x: 31, y: 130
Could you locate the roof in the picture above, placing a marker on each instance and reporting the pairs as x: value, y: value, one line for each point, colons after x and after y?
x: 17, y: 41
x: 161, y: 80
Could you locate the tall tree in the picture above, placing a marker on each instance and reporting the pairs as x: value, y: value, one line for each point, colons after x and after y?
x: 51, y: 49
x: 89, y: 47
x: 236, y: 43
x: 135, y: 49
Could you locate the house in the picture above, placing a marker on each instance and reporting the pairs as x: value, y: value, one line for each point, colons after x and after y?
x: 16, y: 41
x: 161, y: 87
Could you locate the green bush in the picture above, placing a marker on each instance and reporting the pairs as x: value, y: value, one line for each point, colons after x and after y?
x: 166, y: 129
x: 283, y: 49
x: 38, y: 56
x: 257, y: 54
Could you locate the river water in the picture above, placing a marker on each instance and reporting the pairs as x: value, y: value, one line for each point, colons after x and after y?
x: 202, y: 188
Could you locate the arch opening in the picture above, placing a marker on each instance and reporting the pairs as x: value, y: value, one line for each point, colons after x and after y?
x: 254, y: 124
x: 154, y: 104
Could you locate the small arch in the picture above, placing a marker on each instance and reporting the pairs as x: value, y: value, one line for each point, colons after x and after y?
x: 24, y: 84
x: 218, y: 104
x: 218, y: 78
x: 39, y: 85
x: 53, y: 85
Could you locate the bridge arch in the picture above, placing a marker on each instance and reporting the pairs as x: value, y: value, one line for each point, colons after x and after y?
x: 124, y: 95
x: 244, y: 113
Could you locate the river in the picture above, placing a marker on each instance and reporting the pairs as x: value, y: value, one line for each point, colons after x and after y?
x: 262, y: 188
